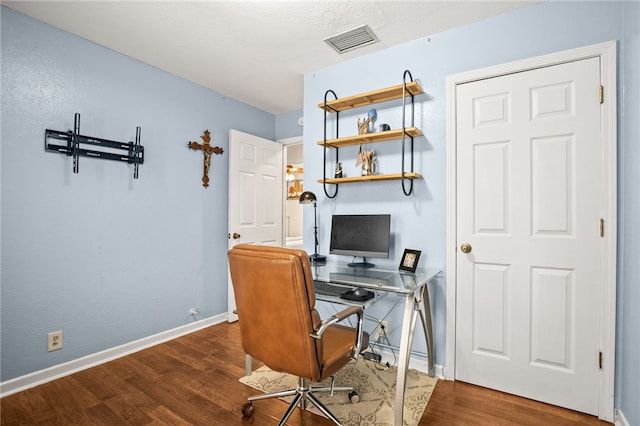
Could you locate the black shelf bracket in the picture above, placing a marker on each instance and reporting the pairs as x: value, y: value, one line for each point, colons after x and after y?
x: 128, y: 152
x: 324, y: 167
x: 406, y: 191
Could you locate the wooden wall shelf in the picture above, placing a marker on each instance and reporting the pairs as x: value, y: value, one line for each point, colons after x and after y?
x: 407, y: 130
x: 368, y: 98
x: 370, y: 178
x: 371, y: 137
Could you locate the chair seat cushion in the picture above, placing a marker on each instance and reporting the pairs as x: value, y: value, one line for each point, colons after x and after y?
x: 338, y: 342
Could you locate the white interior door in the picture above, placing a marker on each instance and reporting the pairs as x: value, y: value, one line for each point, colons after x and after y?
x: 255, y: 195
x: 529, y: 204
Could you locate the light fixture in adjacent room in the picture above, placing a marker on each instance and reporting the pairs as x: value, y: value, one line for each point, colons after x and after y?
x: 352, y: 39
x: 308, y: 197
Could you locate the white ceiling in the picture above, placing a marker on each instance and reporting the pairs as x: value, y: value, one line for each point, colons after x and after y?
x: 253, y: 51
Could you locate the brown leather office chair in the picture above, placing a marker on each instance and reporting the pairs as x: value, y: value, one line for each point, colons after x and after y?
x: 280, y: 326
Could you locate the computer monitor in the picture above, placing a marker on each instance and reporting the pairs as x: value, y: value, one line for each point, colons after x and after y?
x: 361, y: 235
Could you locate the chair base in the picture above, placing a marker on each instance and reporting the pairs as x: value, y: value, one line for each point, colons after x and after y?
x: 303, y: 393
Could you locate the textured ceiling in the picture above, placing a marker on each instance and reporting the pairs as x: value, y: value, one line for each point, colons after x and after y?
x: 253, y: 51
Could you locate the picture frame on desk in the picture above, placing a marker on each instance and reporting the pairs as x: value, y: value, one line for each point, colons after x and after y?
x: 409, y: 261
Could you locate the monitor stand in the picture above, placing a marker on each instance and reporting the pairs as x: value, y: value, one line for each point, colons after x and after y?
x: 363, y: 264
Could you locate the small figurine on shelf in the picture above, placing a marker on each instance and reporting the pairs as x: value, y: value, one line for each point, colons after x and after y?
x: 363, y: 123
x: 338, y: 173
x: 360, y: 156
x: 369, y: 164
x: 363, y: 126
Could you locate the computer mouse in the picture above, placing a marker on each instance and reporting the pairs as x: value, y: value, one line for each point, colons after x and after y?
x: 360, y: 292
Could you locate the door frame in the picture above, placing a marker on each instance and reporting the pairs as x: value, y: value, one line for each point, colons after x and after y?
x: 294, y: 140
x: 607, y: 53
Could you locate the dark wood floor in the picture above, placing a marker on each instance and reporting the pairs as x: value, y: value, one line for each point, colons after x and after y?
x: 194, y: 380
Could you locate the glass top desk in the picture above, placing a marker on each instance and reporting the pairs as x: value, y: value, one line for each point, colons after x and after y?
x: 412, y: 286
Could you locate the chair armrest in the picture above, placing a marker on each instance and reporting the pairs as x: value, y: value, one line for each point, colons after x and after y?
x: 345, y: 313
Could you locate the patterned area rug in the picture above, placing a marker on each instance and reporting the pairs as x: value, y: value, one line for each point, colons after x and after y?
x: 375, y: 386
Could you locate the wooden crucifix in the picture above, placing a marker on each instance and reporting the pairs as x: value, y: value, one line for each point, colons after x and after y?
x: 207, y: 150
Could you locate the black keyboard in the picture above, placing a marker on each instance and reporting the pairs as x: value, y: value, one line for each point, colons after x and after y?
x: 368, y: 278
x: 327, y: 289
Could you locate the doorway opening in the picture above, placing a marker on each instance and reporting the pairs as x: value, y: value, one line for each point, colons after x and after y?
x: 294, y: 172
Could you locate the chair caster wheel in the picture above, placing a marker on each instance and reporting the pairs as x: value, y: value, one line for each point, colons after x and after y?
x: 354, y: 397
x: 248, y: 409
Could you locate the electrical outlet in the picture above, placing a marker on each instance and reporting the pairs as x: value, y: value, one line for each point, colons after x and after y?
x: 55, y: 340
x: 382, y: 332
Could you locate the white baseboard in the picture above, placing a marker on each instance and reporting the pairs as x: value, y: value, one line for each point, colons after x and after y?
x: 621, y: 420
x: 36, y: 378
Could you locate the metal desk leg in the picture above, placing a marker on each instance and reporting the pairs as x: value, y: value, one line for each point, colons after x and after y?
x: 406, y: 340
x: 427, y: 326
x: 248, y: 365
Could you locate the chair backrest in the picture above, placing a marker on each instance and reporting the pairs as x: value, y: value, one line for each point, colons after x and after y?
x: 275, y: 300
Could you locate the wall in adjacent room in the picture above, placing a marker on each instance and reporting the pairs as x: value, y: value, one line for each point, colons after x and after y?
x: 99, y: 255
x: 419, y: 221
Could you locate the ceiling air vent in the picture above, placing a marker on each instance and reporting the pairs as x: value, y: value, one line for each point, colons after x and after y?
x: 352, y: 39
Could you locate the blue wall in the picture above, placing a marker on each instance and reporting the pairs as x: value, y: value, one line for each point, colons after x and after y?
x: 628, y: 332
x: 287, y: 125
x: 109, y: 259
x: 419, y: 221
x: 103, y: 257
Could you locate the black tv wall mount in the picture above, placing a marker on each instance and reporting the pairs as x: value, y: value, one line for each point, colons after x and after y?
x: 128, y: 152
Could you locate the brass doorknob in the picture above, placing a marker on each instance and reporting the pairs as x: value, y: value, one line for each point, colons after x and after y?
x: 235, y: 235
x: 465, y: 248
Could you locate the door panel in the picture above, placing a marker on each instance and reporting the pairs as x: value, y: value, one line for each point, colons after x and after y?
x: 529, y: 200
x: 552, y: 180
x: 491, y: 181
x: 551, y: 318
x: 490, y: 307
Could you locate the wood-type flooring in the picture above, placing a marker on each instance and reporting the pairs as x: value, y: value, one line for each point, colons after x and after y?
x: 193, y: 380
